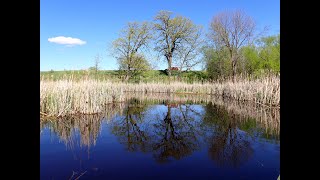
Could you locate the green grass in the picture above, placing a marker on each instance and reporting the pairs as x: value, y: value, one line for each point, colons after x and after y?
x: 115, y: 76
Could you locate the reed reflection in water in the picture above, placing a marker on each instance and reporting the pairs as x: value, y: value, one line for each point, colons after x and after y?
x: 172, y: 128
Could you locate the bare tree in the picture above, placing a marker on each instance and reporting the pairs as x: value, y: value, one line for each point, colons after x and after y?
x: 232, y: 29
x: 97, y: 61
x: 187, y: 55
x: 127, y: 49
x: 173, y: 34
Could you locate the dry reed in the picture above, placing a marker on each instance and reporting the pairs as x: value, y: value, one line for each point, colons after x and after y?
x: 89, y: 126
x: 63, y: 97
x: 267, y: 118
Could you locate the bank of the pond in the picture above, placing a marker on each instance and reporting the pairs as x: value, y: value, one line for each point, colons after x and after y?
x: 90, y: 96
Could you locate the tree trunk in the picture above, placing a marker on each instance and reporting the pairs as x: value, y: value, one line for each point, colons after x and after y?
x: 233, y: 69
x: 169, y: 58
x: 127, y: 75
x: 169, y: 65
x: 168, y: 116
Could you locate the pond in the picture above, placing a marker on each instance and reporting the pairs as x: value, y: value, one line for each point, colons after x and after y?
x: 163, y: 139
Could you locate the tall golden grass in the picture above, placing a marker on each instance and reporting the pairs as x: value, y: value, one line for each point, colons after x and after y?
x: 67, y: 97
x: 59, y: 98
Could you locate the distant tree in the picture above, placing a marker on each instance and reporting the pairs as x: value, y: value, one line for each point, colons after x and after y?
x: 173, y: 35
x: 218, y: 64
x: 262, y: 57
x: 128, y: 48
x: 250, y: 59
x: 92, y: 69
x: 233, y: 30
x: 270, y: 53
x: 97, y: 61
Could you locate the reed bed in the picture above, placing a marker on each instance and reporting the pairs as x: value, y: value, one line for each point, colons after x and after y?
x: 67, y: 97
x: 268, y: 118
x: 89, y: 126
x: 164, y: 98
x: 59, y: 98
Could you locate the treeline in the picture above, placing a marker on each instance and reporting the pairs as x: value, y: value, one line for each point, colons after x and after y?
x: 256, y: 60
x: 231, y: 46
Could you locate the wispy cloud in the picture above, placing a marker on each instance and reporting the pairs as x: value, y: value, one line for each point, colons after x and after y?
x: 69, y: 41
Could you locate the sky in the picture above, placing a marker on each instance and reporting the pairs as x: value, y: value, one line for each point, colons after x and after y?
x: 74, y: 32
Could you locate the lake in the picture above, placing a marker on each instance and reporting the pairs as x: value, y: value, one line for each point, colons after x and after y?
x: 164, y: 138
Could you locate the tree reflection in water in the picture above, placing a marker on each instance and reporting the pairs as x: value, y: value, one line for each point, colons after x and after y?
x: 228, y: 146
x: 175, y: 135
x: 168, y: 135
x: 174, y: 132
x: 128, y: 127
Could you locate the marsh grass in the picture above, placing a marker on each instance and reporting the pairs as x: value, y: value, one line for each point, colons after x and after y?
x: 165, y: 98
x: 89, y: 96
x: 266, y: 118
x: 245, y: 115
x: 64, y: 97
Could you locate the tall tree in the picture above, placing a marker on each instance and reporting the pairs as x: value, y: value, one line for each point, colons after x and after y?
x: 232, y: 29
x: 187, y: 55
x: 173, y: 34
x: 128, y: 48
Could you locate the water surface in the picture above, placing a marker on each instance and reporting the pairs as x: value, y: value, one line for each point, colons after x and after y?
x: 164, y: 139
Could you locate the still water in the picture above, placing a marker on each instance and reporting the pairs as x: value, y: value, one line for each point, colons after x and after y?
x: 163, y: 140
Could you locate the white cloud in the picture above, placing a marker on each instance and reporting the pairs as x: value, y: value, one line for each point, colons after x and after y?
x: 69, y: 41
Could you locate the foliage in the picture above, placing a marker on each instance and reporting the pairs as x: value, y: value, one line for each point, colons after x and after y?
x: 176, y: 34
x: 218, y: 63
x: 93, y: 69
x: 232, y: 30
x: 256, y: 59
x: 264, y: 57
x: 270, y: 53
x: 128, y: 48
x: 139, y: 65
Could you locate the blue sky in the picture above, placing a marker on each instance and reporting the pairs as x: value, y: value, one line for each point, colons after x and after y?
x: 96, y: 23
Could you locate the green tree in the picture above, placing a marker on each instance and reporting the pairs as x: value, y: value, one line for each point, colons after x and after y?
x: 128, y: 48
x: 217, y: 61
x: 270, y: 53
x: 263, y: 57
x: 250, y: 59
x: 138, y: 64
x: 173, y: 35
